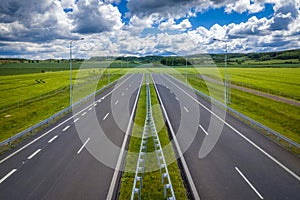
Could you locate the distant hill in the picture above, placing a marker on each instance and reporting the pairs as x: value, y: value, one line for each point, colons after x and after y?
x: 262, y: 58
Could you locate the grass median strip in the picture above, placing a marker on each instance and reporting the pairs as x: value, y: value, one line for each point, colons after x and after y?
x: 152, y: 180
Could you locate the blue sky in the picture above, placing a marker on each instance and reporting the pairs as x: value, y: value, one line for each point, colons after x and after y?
x: 43, y: 29
x: 210, y: 17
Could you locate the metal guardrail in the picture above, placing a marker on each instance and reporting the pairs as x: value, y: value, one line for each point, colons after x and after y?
x: 46, y: 121
x: 140, y: 167
x: 244, y: 117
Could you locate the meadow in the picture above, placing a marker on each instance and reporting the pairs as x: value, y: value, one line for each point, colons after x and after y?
x: 281, y: 117
x: 279, y: 81
x: 25, y: 101
x: 30, y: 68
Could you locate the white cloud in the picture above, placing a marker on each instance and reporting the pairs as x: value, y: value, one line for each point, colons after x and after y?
x: 171, y: 25
x: 253, y: 26
x: 167, y: 8
x: 138, y: 24
x: 92, y: 16
x: 67, y: 3
x: 241, y: 6
x: 43, y: 30
x: 33, y: 21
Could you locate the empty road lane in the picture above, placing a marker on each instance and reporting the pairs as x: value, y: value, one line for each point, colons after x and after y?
x: 63, y: 162
x: 242, y: 165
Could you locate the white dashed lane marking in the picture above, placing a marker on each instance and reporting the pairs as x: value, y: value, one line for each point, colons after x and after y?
x: 186, y: 109
x: 105, y: 116
x: 52, y: 139
x: 248, y: 182
x: 78, y: 152
x: 66, y: 128
x: 7, y: 175
x: 34, y: 154
x: 203, y: 129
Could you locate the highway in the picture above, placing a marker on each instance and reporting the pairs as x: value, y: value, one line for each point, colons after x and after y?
x: 242, y: 165
x: 64, y: 161
x: 76, y: 157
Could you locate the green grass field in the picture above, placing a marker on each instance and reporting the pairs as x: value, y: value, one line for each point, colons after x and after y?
x: 25, y: 102
x: 30, y: 68
x: 152, y: 185
x: 281, y: 117
x: 280, y: 81
x: 15, y: 89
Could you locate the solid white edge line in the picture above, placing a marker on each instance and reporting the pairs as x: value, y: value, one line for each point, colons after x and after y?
x: 249, y: 183
x: 185, y: 109
x: 51, y: 140
x: 66, y: 128
x: 78, y: 152
x: 247, y: 139
x: 76, y: 120
x: 117, y: 169
x: 181, y: 157
x: 8, y: 175
x: 104, y: 118
x: 203, y: 130
x: 34, y: 154
x: 78, y: 113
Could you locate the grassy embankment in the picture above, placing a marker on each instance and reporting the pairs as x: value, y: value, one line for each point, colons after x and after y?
x: 152, y: 185
x: 25, y: 102
x: 281, y: 117
x: 278, y: 81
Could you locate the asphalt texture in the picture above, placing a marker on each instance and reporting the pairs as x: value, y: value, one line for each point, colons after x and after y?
x: 243, y: 164
x: 76, y: 157
x: 70, y: 159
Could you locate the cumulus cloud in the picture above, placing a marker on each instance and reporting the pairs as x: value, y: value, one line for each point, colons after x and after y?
x: 32, y: 21
x: 182, y: 8
x: 166, y: 8
x: 41, y: 29
x: 253, y: 26
x: 92, y: 16
x: 285, y: 13
x: 171, y: 25
x: 252, y: 6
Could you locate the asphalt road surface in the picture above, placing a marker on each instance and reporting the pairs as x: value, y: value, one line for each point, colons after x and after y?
x: 63, y: 161
x: 242, y: 165
x: 76, y: 157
